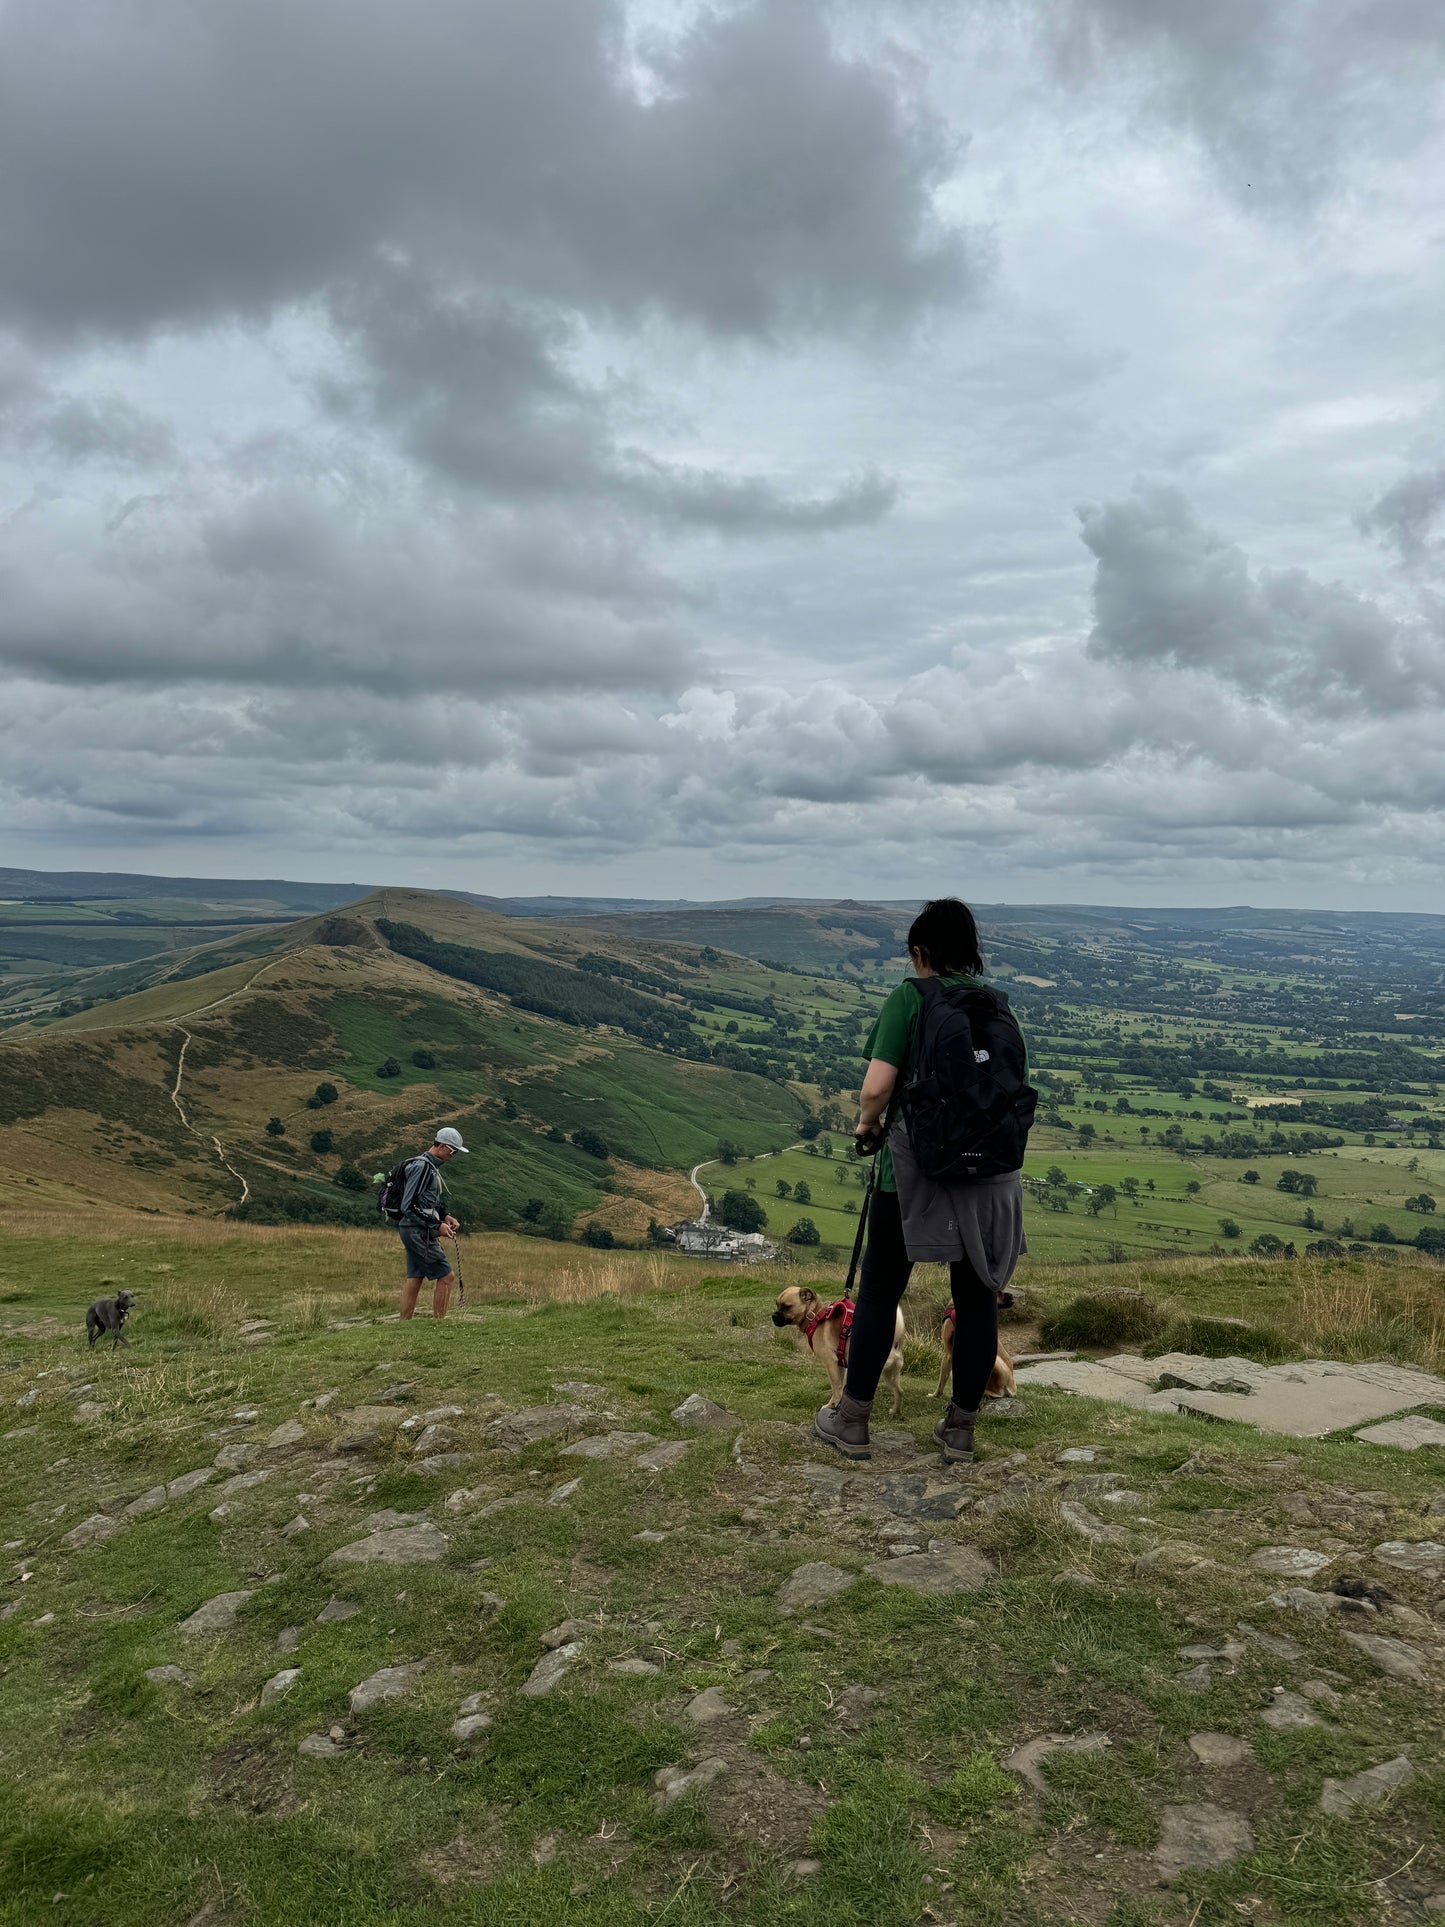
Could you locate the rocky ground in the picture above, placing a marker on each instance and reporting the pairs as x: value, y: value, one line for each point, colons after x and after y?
x: 557, y: 1613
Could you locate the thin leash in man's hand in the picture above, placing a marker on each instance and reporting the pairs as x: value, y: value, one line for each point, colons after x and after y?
x: 457, y: 1267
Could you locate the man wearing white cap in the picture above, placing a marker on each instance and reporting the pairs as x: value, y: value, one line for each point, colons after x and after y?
x: 423, y: 1221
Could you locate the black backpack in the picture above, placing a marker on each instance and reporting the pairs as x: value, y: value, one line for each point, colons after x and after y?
x: 391, y: 1190
x: 968, y: 1105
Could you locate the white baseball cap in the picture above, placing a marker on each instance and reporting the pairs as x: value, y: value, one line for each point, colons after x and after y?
x: 447, y: 1135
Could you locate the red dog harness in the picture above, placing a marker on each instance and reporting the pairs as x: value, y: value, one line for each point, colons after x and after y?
x: 950, y: 1317
x: 810, y: 1325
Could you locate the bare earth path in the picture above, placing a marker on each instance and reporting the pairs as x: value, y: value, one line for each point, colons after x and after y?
x: 181, y: 1071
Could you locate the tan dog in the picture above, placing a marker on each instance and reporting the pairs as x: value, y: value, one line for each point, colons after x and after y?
x: 824, y: 1327
x: 1000, y: 1379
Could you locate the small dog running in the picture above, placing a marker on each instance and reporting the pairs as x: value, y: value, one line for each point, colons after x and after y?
x: 108, y: 1315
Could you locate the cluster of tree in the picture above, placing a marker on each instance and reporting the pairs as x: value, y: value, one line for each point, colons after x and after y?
x: 568, y: 996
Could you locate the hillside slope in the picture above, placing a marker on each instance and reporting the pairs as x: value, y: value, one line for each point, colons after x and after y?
x: 580, y: 1089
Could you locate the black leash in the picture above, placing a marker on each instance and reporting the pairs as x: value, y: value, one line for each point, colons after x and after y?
x: 457, y: 1265
x: 861, y: 1232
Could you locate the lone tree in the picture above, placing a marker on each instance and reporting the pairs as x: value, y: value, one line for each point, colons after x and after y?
x: 1422, y: 1202
x: 350, y: 1179
x: 323, y: 1094
x: 275, y: 1128
x: 588, y: 1141
x: 802, y: 1192
x: 1229, y: 1229
x: 740, y: 1212
x: 598, y: 1236
x: 425, y: 1060
x: 805, y: 1232
x: 390, y: 1068
x: 783, y: 1188
x: 1102, y: 1196
x: 321, y: 1143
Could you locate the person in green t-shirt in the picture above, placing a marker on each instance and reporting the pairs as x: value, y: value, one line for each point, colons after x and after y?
x: 974, y: 1228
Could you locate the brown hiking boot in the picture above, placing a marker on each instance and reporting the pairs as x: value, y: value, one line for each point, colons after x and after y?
x: 954, y: 1432
x: 844, y: 1426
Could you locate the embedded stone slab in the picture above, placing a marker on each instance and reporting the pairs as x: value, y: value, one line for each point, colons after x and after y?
x: 405, y: 1546
x: 1412, y: 1555
x: 673, y: 1782
x: 1366, y: 1789
x: 914, y: 1495
x: 811, y: 1585
x: 659, y: 1457
x: 151, y: 1501
x: 1289, y: 1562
x: 608, y: 1445
x: 515, y: 1431
x: 290, y: 1432
x: 91, y: 1532
x: 1078, y: 1518
x: 1200, y: 1836
x: 390, y: 1683
x: 217, y: 1615
x: 1406, y: 1434
x: 1306, y: 1399
x: 950, y: 1569
x: 279, y: 1685
x: 1395, y: 1658
x: 550, y: 1671
x: 1219, y: 1749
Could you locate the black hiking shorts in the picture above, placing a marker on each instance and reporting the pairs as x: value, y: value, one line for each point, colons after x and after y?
x: 424, y: 1255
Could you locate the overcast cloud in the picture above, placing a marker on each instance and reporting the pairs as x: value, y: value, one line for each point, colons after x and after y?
x: 786, y: 445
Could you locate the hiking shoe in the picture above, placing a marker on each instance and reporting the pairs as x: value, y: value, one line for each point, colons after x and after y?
x: 844, y: 1426
x: 954, y: 1432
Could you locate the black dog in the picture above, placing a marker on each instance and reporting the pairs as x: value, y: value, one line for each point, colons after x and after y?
x: 108, y: 1315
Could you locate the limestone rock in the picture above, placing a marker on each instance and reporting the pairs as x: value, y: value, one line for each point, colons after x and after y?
x: 323, y: 1746
x: 660, y: 1457
x: 514, y: 1431
x: 89, y: 1413
x: 405, y: 1546
x: 91, y: 1532
x: 288, y: 1639
x: 674, y: 1782
x: 811, y: 1585
x: 1077, y: 1455
x: 235, y: 1458
x: 217, y: 1615
x: 1289, y: 1562
x: 1027, y: 1760
x: 148, y: 1502
x: 169, y: 1675
x: 436, y: 1463
x: 1198, y: 1679
x: 1219, y: 1749
x: 567, y: 1632
x: 290, y: 1432
x: 1412, y: 1555
x: 279, y: 1685
x: 390, y: 1683
x: 1394, y: 1657
x: 948, y: 1568
x: 916, y: 1496
x: 336, y: 1610
x: 470, y: 1726
x: 354, y: 1443
x: 633, y: 1668
x: 295, y: 1527
x: 1079, y: 1519
x: 1289, y: 1713
x: 463, y: 1499
x: 1406, y: 1434
x: 435, y: 1438
x: 608, y: 1445
x: 550, y: 1671
x: 1366, y: 1789
x: 1229, y: 1650
x: 1200, y: 1836
x: 1169, y: 1559
x: 709, y: 1705
x: 697, y: 1410
x: 245, y: 1481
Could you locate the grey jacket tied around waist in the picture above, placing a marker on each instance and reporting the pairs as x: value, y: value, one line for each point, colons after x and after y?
x: 943, y: 1223
x: 421, y: 1201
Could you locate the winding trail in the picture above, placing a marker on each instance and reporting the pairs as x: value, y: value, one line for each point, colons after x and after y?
x: 692, y: 1180
x: 175, y: 1094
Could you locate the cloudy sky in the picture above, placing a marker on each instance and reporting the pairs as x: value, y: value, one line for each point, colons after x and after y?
x: 790, y: 445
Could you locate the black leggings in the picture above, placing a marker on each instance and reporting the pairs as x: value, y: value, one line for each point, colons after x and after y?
x: 886, y: 1269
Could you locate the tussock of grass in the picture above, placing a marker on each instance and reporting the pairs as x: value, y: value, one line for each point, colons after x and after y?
x: 1210, y: 1337
x: 1103, y: 1319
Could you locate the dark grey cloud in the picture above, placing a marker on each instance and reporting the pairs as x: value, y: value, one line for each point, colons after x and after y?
x: 1170, y: 591
x: 479, y: 391
x: 1280, y: 96
x: 1410, y: 515
x: 164, y: 163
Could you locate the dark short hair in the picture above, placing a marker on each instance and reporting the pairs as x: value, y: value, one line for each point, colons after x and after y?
x: 947, y: 935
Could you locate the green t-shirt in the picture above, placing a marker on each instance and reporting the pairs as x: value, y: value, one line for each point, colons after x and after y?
x: 891, y: 1039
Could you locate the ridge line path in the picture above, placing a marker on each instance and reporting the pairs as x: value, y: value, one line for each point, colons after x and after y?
x: 175, y: 1094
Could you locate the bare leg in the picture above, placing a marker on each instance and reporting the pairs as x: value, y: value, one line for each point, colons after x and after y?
x: 441, y: 1295
x: 945, y: 1370
x: 893, y: 1379
x: 835, y: 1378
x: 409, y: 1295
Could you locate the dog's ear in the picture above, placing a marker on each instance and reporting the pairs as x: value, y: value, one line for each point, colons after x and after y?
x: 806, y: 1295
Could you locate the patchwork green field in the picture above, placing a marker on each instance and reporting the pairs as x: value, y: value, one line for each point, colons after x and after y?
x: 585, y: 1691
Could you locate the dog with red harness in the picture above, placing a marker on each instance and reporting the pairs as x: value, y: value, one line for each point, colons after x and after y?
x: 826, y: 1326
